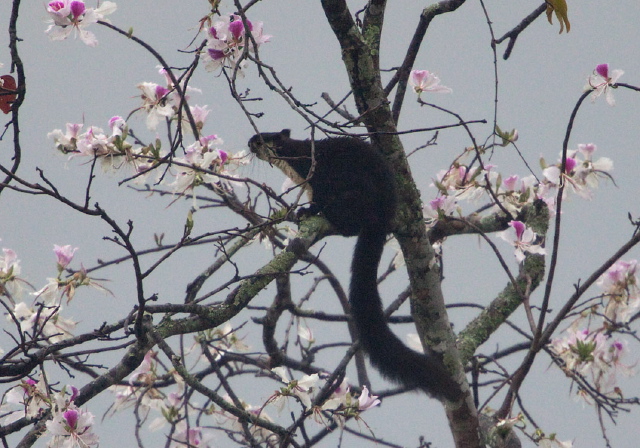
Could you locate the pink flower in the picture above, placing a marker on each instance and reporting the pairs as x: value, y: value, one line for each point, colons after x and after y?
x: 71, y: 416
x: 72, y: 427
x: 77, y: 9
x: 30, y: 398
x: 144, y: 372
x: 581, y: 173
x: 199, y: 114
x: 366, y: 401
x: 223, y: 156
x: 46, y: 321
x: 603, y: 70
x: 439, y: 208
x: 93, y: 143
x: 523, y: 241
x: 425, y: 81
x: 155, y: 103
x: 191, y: 436
x: 227, y: 42
x: 620, y: 285
x: 510, y: 182
x: 587, y: 149
x: 301, y: 388
x: 237, y: 28
x: 570, y: 165
x: 55, y: 6
x: 117, y: 125
x: 68, y: 16
x: 216, y: 55
x: 64, y: 254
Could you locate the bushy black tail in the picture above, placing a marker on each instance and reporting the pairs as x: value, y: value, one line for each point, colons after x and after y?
x: 387, y: 353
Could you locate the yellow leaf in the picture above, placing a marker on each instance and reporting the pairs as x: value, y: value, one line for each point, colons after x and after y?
x: 560, y: 8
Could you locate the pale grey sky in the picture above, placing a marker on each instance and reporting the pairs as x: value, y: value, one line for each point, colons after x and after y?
x: 539, y: 85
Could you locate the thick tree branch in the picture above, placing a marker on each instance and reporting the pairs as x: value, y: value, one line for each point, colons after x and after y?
x: 428, y: 303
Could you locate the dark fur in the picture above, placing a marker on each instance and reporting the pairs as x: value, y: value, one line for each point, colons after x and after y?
x: 354, y: 188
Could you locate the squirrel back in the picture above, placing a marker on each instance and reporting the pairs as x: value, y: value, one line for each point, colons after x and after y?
x: 352, y: 185
x: 351, y: 182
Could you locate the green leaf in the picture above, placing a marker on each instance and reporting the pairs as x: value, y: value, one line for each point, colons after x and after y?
x: 559, y: 7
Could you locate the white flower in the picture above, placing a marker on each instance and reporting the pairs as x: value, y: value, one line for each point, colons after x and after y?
x: 300, y: 388
x: 306, y: 333
x: 54, y: 327
x: 620, y: 285
x: 66, y: 143
x: 72, y: 428
x: 603, y: 82
x: 48, y: 294
x: 30, y: 396
x: 555, y: 443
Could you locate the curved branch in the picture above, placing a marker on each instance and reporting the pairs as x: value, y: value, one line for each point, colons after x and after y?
x: 402, y: 75
x: 22, y: 91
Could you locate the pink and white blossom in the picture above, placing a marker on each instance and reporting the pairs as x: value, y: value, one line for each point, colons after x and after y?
x: 367, y: 401
x: 580, y: 349
x: 340, y: 397
x: 145, y: 371
x: 45, y: 319
x: 425, y: 81
x: 523, y: 239
x: 602, y: 81
x: 190, y: 436
x: 439, y: 208
x: 510, y: 182
x: 461, y: 181
x: 157, y: 103
x: 621, y: 291
x: 29, y: 398
x: 67, y: 142
x: 195, y: 168
x: 199, y: 114
x: 67, y: 16
x: 587, y: 172
x: 49, y: 293
x: 9, y: 271
x: 582, y: 174
x: 93, y: 143
x: 593, y: 354
x: 64, y: 254
x: 72, y: 427
x: 117, y: 124
x: 227, y: 40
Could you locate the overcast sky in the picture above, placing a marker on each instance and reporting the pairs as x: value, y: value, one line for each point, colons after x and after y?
x: 539, y: 86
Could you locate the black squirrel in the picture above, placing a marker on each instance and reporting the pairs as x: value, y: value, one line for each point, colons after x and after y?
x: 354, y: 188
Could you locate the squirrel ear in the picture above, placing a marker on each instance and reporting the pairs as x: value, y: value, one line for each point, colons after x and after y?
x: 286, y: 133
